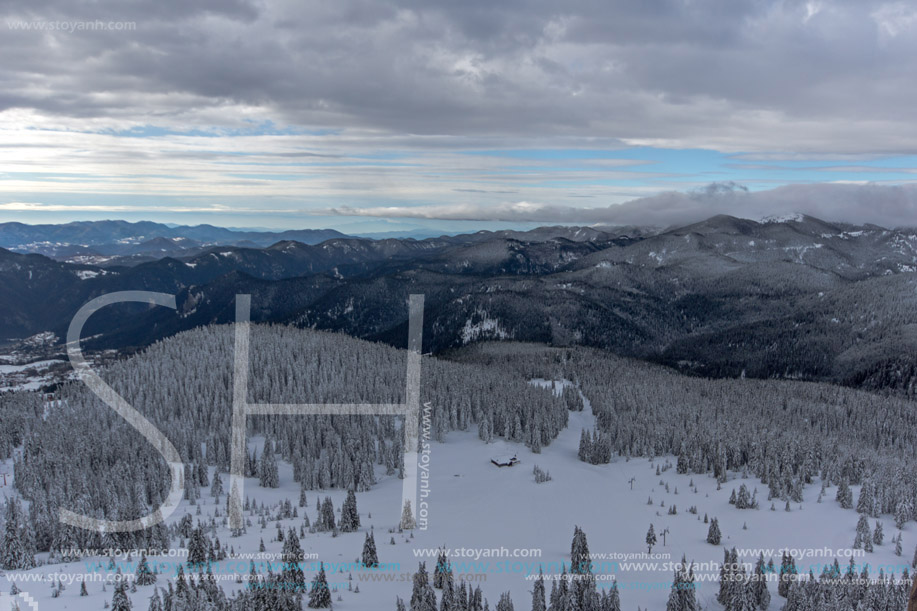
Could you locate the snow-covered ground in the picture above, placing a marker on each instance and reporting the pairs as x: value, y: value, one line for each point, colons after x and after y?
x: 475, y: 505
x: 27, y: 376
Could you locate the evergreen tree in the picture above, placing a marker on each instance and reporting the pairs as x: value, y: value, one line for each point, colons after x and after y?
x: 439, y: 571
x: 350, y: 517
x: 370, y: 558
x: 866, y: 502
x: 268, y: 474
x: 787, y: 574
x: 155, y: 602
x: 325, y: 520
x: 650, y: 539
x: 423, y: 598
x: 319, y: 594
x: 878, y: 536
x: 144, y: 576
x: 407, y: 517
x: 760, y: 593
x: 292, y: 556
x: 714, y: 536
x: 682, y: 596
x: 581, y: 561
x: 17, y: 552
x: 863, y: 535
x: 216, y: 487
x: 613, y: 602
x: 902, y: 513
x: 844, y: 494
x: 119, y: 600
x: 198, y: 546
x: 538, y: 600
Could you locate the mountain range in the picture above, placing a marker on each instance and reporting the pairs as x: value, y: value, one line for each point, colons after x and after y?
x: 789, y: 298
x: 124, y: 243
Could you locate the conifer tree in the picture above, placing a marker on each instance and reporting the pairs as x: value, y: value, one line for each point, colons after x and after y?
x: 714, y: 536
x: 580, y: 558
x: 119, y: 600
x: 650, y: 539
x: 198, y: 546
x: 144, y: 576
x: 268, y: 474
x: 292, y: 556
x: 17, y: 552
x: 787, y: 574
x: 538, y: 600
x: 407, y: 517
x: 319, y: 594
x: 350, y: 517
x: 155, y: 601
x: 216, y: 487
x: 423, y: 598
x: 760, y: 593
x: 370, y: 558
x: 844, y: 494
x: 439, y: 570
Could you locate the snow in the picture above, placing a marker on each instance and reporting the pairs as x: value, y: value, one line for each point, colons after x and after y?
x: 38, y: 365
x: 86, y: 274
x: 486, y: 327
x: 41, y: 339
x: 26, y: 376
x: 475, y: 506
x: 784, y: 218
x: 657, y: 256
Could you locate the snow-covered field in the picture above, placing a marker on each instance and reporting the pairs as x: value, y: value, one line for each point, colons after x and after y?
x: 27, y: 376
x: 476, y: 506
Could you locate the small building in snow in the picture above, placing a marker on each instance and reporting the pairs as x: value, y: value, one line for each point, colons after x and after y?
x: 505, y: 460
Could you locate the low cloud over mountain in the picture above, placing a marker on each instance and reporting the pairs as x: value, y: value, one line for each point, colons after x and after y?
x: 888, y: 206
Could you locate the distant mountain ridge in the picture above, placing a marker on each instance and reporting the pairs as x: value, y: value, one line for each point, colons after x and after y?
x: 791, y: 298
x: 101, y: 239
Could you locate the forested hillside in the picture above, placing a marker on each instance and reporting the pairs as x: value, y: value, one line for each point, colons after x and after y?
x: 84, y: 457
x: 796, y: 299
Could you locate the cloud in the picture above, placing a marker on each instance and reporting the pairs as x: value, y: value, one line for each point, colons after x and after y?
x: 737, y: 75
x: 888, y: 206
x: 115, y: 208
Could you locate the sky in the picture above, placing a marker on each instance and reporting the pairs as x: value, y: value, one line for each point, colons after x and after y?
x: 374, y: 115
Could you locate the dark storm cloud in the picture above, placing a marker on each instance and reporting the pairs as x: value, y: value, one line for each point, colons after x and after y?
x: 727, y: 74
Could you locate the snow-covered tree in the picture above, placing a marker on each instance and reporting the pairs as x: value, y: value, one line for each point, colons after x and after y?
x: 370, y: 558
x: 350, y: 517
x: 714, y: 536
x: 407, y: 517
x: 650, y: 539
x: 319, y: 593
x: 144, y: 576
x: 580, y: 559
